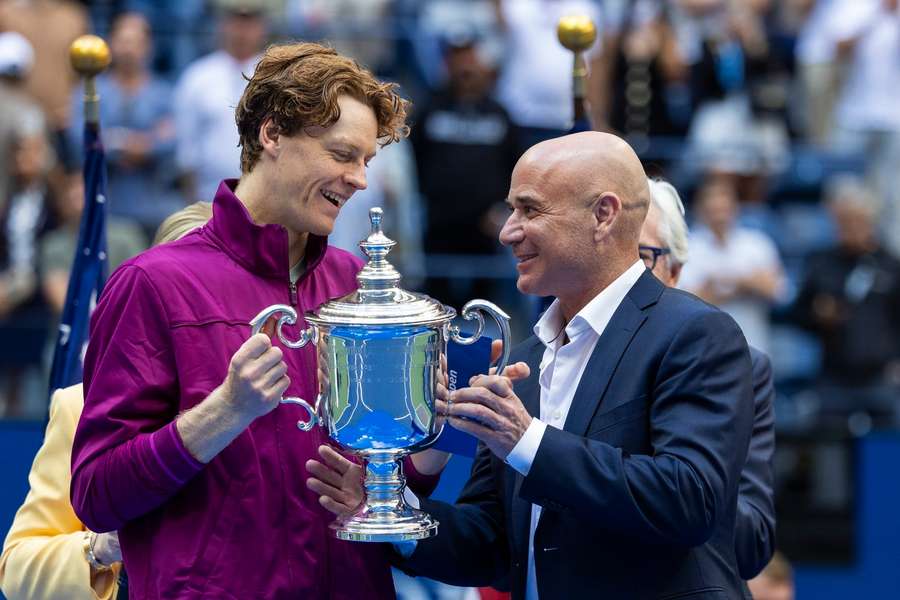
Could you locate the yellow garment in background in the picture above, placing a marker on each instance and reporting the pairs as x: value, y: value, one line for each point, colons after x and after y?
x: 43, y: 555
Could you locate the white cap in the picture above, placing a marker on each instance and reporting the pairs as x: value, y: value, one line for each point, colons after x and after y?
x: 16, y: 55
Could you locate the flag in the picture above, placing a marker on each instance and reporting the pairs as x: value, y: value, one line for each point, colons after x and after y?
x: 88, y: 272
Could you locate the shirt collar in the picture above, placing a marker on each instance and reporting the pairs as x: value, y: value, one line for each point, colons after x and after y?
x: 595, y: 315
x: 262, y: 249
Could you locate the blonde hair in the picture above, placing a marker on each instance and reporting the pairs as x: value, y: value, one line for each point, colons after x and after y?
x: 182, y: 222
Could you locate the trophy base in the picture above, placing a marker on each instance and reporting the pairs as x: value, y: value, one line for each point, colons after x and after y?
x: 367, y: 525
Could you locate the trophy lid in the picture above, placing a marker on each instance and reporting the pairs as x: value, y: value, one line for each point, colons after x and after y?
x: 379, y: 299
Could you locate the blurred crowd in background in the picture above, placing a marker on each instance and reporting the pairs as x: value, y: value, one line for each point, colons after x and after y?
x: 777, y: 121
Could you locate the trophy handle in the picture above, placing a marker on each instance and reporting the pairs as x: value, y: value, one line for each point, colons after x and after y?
x: 312, y: 410
x: 473, y: 310
x: 289, y: 315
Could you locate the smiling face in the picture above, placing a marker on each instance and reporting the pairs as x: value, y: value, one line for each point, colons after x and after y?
x: 550, y: 230
x: 316, y: 172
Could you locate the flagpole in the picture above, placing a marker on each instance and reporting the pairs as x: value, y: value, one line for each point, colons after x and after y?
x: 578, y: 33
x: 89, y: 56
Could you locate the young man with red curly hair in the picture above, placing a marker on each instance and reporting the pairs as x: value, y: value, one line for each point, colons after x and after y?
x: 179, y: 447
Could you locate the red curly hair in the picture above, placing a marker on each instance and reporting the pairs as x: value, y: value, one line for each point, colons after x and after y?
x: 298, y: 86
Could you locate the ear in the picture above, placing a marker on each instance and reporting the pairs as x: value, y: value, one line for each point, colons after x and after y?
x: 605, y: 211
x: 270, y: 137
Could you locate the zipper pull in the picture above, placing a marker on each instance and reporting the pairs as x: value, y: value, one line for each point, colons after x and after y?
x: 294, y: 298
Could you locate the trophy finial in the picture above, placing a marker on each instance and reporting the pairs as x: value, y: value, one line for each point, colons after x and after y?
x: 576, y: 32
x: 89, y: 55
x: 378, y: 272
x: 375, y: 216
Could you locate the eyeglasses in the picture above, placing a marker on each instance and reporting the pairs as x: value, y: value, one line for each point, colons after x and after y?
x: 650, y: 254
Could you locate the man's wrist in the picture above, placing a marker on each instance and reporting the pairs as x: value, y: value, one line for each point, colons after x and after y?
x: 208, y: 427
x: 523, y: 453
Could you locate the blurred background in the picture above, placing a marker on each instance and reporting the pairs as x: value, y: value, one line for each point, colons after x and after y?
x: 777, y: 120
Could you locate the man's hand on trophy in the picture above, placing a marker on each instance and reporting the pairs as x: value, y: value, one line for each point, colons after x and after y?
x: 337, y: 480
x: 514, y: 371
x: 432, y: 461
x: 490, y: 411
x: 257, y: 378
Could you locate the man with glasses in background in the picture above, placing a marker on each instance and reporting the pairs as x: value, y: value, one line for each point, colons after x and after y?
x: 663, y: 246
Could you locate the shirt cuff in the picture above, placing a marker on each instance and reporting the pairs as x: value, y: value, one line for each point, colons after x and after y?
x: 172, y: 457
x: 523, y: 453
x: 423, y: 484
x: 411, y: 498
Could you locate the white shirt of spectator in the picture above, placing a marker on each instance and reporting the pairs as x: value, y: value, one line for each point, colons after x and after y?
x: 744, y: 252
x: 561, y: 369
x: 869, y: 98
x: 536, y: 81
x: 206, y: 137
x: 816, y: 40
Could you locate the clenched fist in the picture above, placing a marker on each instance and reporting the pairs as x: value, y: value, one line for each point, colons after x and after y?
x: 257, y: 378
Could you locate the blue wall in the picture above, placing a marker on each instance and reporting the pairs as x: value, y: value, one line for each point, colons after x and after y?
x: 19, y: 442
x: 876, y: 573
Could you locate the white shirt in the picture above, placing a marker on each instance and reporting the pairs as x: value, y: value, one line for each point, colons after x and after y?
x: 560, y: 372
x: 535, y: 85
x: 206, y: 142
x: 816, y: 40
x: 744, y: 252
x: 869, y: 98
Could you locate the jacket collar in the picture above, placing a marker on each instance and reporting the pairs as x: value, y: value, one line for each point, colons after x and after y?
x: 261, y: 249
x: 610, y: 348
x: 625, y: 322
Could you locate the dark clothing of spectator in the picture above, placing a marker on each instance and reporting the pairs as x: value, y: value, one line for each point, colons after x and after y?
x: 864, y: 334
x: 23, y: 220
x: 465, y: 153
x: 651, y: 114
x: 23, y: 315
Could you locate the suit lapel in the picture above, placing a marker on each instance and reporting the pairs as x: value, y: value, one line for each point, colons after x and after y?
x: 620, y: 330
x: 618, y: 334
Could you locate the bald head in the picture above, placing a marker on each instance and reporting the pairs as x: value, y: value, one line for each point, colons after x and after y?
x: 591, y: 164
x: 577, y: 205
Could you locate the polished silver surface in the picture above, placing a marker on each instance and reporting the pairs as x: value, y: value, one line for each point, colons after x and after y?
x: 382, y: 380
x: 380, y: 351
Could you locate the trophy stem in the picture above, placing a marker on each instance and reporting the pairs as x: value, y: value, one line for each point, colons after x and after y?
x: 384, y: 516
x: 384, y: 482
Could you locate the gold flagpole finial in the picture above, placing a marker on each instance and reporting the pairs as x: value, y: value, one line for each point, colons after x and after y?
x: 89, y: 55
x: 577, y: 33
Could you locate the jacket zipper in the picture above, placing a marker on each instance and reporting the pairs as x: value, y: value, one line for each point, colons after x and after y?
x: 294, y: 299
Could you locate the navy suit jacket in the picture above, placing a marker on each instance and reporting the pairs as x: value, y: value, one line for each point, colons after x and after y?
x: 639, y: 490
x: 754, y: 534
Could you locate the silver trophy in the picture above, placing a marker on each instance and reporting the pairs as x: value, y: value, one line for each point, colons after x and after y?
x: 380, y: 351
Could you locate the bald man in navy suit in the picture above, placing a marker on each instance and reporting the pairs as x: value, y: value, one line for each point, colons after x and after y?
x: 612, y: 469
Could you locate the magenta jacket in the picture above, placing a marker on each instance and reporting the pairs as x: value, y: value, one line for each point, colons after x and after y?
x: 245, y: 525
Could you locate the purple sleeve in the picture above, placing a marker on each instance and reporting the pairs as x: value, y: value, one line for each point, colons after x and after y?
x: 127, y: 456
x: 421, y: 485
